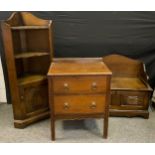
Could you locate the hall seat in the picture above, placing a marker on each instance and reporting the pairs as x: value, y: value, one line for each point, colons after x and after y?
x: 130, y: 90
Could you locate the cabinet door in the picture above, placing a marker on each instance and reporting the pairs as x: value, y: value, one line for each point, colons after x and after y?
x: 129, y: 100
x: 35, y: 98
x: 134, y: 99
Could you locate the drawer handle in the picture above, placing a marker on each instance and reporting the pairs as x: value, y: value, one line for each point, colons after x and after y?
x: 66, y: 105
x: 22, y: 97
x: 66, y: 87
x: 94, y: 85
x: 93, y: 105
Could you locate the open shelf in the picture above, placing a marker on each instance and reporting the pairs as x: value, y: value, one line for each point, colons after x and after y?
x: 28, y: 27
x: 30, y: 54
x: 28, y: 79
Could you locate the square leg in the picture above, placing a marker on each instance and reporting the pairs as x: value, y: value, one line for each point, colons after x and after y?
x: 52, y: 129
x: 105, y: 132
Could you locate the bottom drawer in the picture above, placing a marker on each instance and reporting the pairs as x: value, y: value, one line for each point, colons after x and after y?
x: 79, y: 104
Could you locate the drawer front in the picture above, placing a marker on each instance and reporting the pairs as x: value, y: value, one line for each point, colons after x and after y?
x: 79, y: 84
x: 133, y: 98
x: 130, y: 100
x: 79, y: 104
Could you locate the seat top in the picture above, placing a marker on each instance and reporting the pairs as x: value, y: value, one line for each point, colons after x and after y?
x: 128, y: 83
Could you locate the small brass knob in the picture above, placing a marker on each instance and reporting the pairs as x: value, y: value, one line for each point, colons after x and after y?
x: 66, y: 87
x: 66, y: 105
x: 22, y: 97
x: 93, y: 105
x: 94, y: 85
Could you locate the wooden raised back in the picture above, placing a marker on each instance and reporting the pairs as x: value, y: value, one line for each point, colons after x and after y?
x: 26, y: 19
x: 122, y: 66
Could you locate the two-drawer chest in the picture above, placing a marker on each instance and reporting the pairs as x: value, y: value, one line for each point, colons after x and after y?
x: 79, y: 88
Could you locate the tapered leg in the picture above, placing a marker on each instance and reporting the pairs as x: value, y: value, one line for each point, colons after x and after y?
x: 105, y: 132
x: 53, y: 129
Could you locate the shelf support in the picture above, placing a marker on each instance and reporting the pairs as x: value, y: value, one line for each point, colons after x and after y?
x: 24, y: 48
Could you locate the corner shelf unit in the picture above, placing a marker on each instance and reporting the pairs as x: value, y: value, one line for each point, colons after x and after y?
x: 28, y: 46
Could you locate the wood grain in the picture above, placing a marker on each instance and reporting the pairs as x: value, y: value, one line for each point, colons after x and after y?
x: 72, y: 84
x: 79, y: 104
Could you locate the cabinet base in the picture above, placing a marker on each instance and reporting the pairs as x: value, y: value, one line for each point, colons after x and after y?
x: 130, y: 113
x: 25, y: 122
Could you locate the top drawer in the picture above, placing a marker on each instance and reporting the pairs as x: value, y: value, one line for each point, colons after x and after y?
x: 79, y: 84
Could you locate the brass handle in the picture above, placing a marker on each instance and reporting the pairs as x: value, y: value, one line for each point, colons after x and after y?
x: 66, y: 87
x: 66, y: 105
x: 22, y: 97
x: 93, y: 105
x: 94, y: 85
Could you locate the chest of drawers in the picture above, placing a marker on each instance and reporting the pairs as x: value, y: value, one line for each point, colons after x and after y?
x: 79, y: 88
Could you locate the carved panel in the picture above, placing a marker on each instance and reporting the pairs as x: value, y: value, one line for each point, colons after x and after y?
x: 35, y: 98
x: 132, y: 100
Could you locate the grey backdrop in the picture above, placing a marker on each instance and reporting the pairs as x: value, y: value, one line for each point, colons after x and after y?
x: 94, y: 34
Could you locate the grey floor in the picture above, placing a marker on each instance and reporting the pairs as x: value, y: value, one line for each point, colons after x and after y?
x: 89, y: 131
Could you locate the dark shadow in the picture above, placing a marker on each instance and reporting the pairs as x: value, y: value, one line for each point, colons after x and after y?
x: 92, y: 126
x: 73, y: 124
x: 89, y: 124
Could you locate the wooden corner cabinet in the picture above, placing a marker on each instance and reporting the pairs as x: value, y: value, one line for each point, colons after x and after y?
x: 130, y: 91
x: 28, y: 52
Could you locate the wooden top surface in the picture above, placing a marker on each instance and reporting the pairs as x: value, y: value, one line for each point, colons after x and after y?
x: 78, y: 66
x: 127, y: 83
